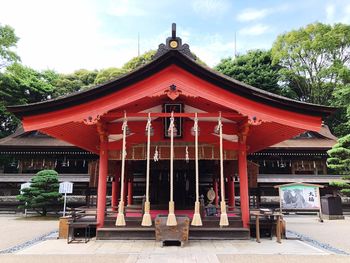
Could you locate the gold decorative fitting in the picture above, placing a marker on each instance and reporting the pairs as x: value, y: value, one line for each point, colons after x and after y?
x: 173, y: 44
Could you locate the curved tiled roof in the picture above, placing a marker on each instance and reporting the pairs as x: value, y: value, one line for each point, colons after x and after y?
x: 172, y: 57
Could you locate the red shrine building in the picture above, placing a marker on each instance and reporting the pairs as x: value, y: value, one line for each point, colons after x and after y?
x: 183, y: 128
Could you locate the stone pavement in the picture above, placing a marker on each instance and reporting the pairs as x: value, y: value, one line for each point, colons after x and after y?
x: 146, y: 248
x: 193, y: 259
x: 334, y: 233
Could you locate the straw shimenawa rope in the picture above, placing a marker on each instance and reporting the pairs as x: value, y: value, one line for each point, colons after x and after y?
x: 223, y: 215
x: 120, y: 217
x: 196, y: 221
x: 146, y: 219
x: 171, y: 221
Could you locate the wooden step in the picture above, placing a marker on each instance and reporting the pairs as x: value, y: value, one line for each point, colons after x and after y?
x: 126, y: 233
x: 219, y: 233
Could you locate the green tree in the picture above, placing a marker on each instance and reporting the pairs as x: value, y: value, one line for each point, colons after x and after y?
x: 339, y: 156
x: 8, y: 40
x: 314, y: 60
x: 254, y: 68
x: 138, y: 61
x: 42, y: 193
x: 21, y: 85
x: 107, y: 74
x: 69, y: 83
x: 342, y: 117
x: 339, y: 162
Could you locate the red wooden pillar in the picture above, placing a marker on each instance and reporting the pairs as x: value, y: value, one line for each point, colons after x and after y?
x: 216, y: 190
x: 115, y: 189
x: 126, y: 175
x: 243, y: 184
x: 231, y: 192
x: 130, y: 189
x: 102, y: 183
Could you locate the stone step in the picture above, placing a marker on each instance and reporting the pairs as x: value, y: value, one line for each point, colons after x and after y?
x: 195, y: 233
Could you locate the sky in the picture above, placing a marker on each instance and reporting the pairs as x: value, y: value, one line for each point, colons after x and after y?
x: 67, y: 35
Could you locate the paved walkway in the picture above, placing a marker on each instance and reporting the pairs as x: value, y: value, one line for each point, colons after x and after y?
x: 16, y: 230
x: 134, y: 259
x: 334, y: 233
x: 146, y: 248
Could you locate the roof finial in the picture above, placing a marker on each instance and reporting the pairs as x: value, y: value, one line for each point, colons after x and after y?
x: 173, y: 42
x: 173, y: 30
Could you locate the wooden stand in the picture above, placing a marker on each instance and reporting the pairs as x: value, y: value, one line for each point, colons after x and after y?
x: 63, y: 227
x: 278, y: 219
x: 165, y: 233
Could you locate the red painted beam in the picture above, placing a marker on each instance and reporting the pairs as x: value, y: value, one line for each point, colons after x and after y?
x: 167, y: 115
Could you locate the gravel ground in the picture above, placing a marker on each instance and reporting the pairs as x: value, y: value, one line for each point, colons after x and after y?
x: 331, y: 234
x: 17, y: 230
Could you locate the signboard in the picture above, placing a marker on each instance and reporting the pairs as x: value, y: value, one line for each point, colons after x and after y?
x: 299, y: 196
x: 66, y: 188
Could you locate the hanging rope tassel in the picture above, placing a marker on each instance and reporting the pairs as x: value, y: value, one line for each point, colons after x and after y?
x: 120, y: 217
x: 146, y: 219
x: 196, y: 221
x: 223, y: 215
x: 171, y: 221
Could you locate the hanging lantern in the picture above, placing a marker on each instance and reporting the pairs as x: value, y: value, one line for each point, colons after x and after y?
x: 128, y: 131
x: 217, y: 129
x: 151, y: 131
x: 174, y: 131
x: 193, y: 131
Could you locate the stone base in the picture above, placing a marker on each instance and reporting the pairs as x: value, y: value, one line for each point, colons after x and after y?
x: 332, y: 217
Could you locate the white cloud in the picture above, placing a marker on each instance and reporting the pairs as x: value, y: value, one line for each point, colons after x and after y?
x: 125, y: 8
x: 337, y: 12
x: 254, y: 30
x: 330, y: 10
x: 211, y: 7
x: 213, y: 48
x: 64, y: 35
x: 252, y: 14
